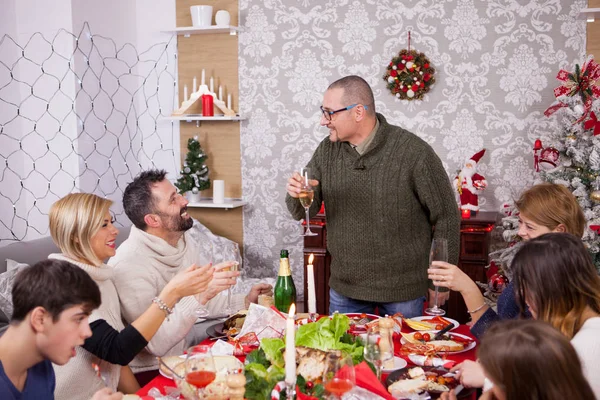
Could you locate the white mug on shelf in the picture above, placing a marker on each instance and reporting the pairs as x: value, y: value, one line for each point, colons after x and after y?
x: 218, y: 192
x: 201, y: 16
x: 222, y: 18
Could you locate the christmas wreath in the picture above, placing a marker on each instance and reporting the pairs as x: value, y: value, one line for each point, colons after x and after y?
x: 409, y: 75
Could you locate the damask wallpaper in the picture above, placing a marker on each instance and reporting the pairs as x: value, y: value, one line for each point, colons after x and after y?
x: 495, y: 60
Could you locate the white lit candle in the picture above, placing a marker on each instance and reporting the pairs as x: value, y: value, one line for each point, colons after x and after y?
x: 212, y: 85
x: 229, y: 100
x: 202, y: 80
x: 290, y: 347
x: 194, y: 85
x: 312, y: 298
x: 185, y: 93
x: 220, y: 93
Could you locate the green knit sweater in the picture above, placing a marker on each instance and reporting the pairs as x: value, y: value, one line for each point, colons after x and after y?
x: 382, y: 209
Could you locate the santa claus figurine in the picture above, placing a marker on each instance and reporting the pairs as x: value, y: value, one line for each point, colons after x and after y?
x: 470, y: 184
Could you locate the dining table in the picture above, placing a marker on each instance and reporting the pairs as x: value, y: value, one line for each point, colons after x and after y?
x: 161, y: 383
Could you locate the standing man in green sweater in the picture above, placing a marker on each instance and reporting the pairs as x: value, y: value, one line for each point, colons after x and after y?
x: 387, y: 197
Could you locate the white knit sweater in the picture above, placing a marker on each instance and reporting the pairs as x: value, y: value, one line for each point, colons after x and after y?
x: 77, y: 379
x: 587, y: 345
x: 143, y: 265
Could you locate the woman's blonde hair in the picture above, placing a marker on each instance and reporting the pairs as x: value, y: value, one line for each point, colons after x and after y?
x: 74, y: 219
x: 550, y: 205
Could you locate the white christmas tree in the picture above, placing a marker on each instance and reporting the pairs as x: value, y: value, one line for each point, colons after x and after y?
x: 577, y: 138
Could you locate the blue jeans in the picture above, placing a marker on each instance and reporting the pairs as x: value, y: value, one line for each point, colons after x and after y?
x: 343, y: 304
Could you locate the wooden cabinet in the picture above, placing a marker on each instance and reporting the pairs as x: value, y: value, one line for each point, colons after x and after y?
x: 475, y: 237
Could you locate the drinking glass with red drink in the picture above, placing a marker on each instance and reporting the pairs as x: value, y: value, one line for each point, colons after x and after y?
x: 199, y: 368
x: 338, y: 377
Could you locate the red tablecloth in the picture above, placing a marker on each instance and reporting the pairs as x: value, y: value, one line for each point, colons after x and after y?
x: 161, y: 382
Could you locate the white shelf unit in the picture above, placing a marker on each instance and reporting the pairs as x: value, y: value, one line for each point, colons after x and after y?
x: 186, y: 31
x: 590, y: 14
x: 199, y: 117
x: 227, y: 205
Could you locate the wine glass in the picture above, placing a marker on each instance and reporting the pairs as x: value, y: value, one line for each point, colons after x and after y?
x: 376, y: 354
x: 338, y: 376
x: 200, y: 368
x: 306, y: 196
x: 234, y: 267
x: 202, y: 311
x: 438, y: 252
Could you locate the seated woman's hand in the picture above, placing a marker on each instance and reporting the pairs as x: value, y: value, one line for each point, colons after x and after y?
x: 257, y: 290
x: 450, y: 276
x: 191, y: 281
x: 222, y: 280
x: 471, y: 374
x: 107, y: 394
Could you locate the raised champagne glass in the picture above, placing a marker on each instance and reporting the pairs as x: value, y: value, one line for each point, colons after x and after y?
x: 234, y: 267
x: 438, y: 252
x: 202, y: 311
x: 306, y: 196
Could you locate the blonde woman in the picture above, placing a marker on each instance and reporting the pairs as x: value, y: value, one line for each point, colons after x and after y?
x: 81, y: 226
x: 543, y: 208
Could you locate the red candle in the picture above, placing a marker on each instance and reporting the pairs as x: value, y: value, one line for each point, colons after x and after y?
x: 207, y: 105
x: 466, y: 214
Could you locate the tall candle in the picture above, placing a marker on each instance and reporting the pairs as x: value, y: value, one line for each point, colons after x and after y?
x: 194, y: 85
x: 310, y: 272
x: 202, y: 80
x: 185, y: 93
x: 290, y: 347
x: 229, y: 100
x: 220, y: 93
x: 212, y: 85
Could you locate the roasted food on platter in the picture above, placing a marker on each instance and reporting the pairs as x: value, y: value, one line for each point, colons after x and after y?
x: 235, y: 321
x: 447, y: 343
x: 312, y: 362
x: 417, y: 380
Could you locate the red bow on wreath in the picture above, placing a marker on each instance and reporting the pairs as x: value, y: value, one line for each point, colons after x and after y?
x: 595, y: 228
x: 583, y: 81
x: 593, y: 123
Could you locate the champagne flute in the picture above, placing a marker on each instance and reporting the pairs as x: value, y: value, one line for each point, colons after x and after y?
x: 338, y: 376
x: 202, y: 311
x: 306, y: 196
x: 438, y: 252
x: 234, y: 267
x: 374, y: 353
x: 200, y: 368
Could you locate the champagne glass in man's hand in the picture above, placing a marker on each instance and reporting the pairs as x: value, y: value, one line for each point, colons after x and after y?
x: 438, y: 252
x: 306, y: 196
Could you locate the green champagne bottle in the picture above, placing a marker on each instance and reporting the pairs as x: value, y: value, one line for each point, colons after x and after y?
x: 285, y: 291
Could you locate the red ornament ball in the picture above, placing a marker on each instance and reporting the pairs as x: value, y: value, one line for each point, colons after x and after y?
x: 497, y: 283
x: 310, y: 385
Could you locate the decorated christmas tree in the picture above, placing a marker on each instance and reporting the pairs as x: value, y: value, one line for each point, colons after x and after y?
x: 576, y: 137
x: 194, y: 176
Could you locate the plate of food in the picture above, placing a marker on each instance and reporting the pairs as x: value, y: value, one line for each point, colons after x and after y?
x: 429, y: 323
x: 399, y: 363
x: 449, y: 343
x: 359, y: 321
x: 223, y: 365
x: 219, y: 330
x: 420, y: 380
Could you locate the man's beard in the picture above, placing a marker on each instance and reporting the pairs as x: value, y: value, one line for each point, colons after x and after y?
x: 177, y: 223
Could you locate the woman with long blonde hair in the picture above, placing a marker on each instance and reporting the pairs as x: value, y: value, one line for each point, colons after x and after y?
x: 82, y: 227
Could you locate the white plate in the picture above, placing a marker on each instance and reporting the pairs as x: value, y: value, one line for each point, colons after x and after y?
x: 467, y: 347
x: 421, y: 318
x: 183, y: 357
x: 399, y: 363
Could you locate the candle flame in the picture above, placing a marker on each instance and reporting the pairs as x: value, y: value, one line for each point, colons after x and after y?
x: 311, y: 258
x: 292, y: 310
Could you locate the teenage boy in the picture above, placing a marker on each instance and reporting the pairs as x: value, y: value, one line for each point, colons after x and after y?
x: 52, y: 301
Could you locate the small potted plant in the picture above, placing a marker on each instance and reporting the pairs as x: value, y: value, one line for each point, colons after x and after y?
x: 194, y: 176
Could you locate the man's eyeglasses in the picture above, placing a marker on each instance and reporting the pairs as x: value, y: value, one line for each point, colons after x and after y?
x: 328, y: 114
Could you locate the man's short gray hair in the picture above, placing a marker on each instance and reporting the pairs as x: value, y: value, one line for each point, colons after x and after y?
x: 356, y: 90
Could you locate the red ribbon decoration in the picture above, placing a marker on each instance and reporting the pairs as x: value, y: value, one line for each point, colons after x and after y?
x: 595, y: 228
x: 583, y: 82
x: 592, y: 123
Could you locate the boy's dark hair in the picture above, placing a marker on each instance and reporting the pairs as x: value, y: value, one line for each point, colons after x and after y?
x: 137, y: 197
x: 54, y: 285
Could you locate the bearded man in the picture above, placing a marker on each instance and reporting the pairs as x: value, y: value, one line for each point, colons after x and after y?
x: 469, y: 183
x: 158, y: 247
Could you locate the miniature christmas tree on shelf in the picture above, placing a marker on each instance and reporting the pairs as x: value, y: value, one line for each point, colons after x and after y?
x: 577, y: 139
x: 194, y: 176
